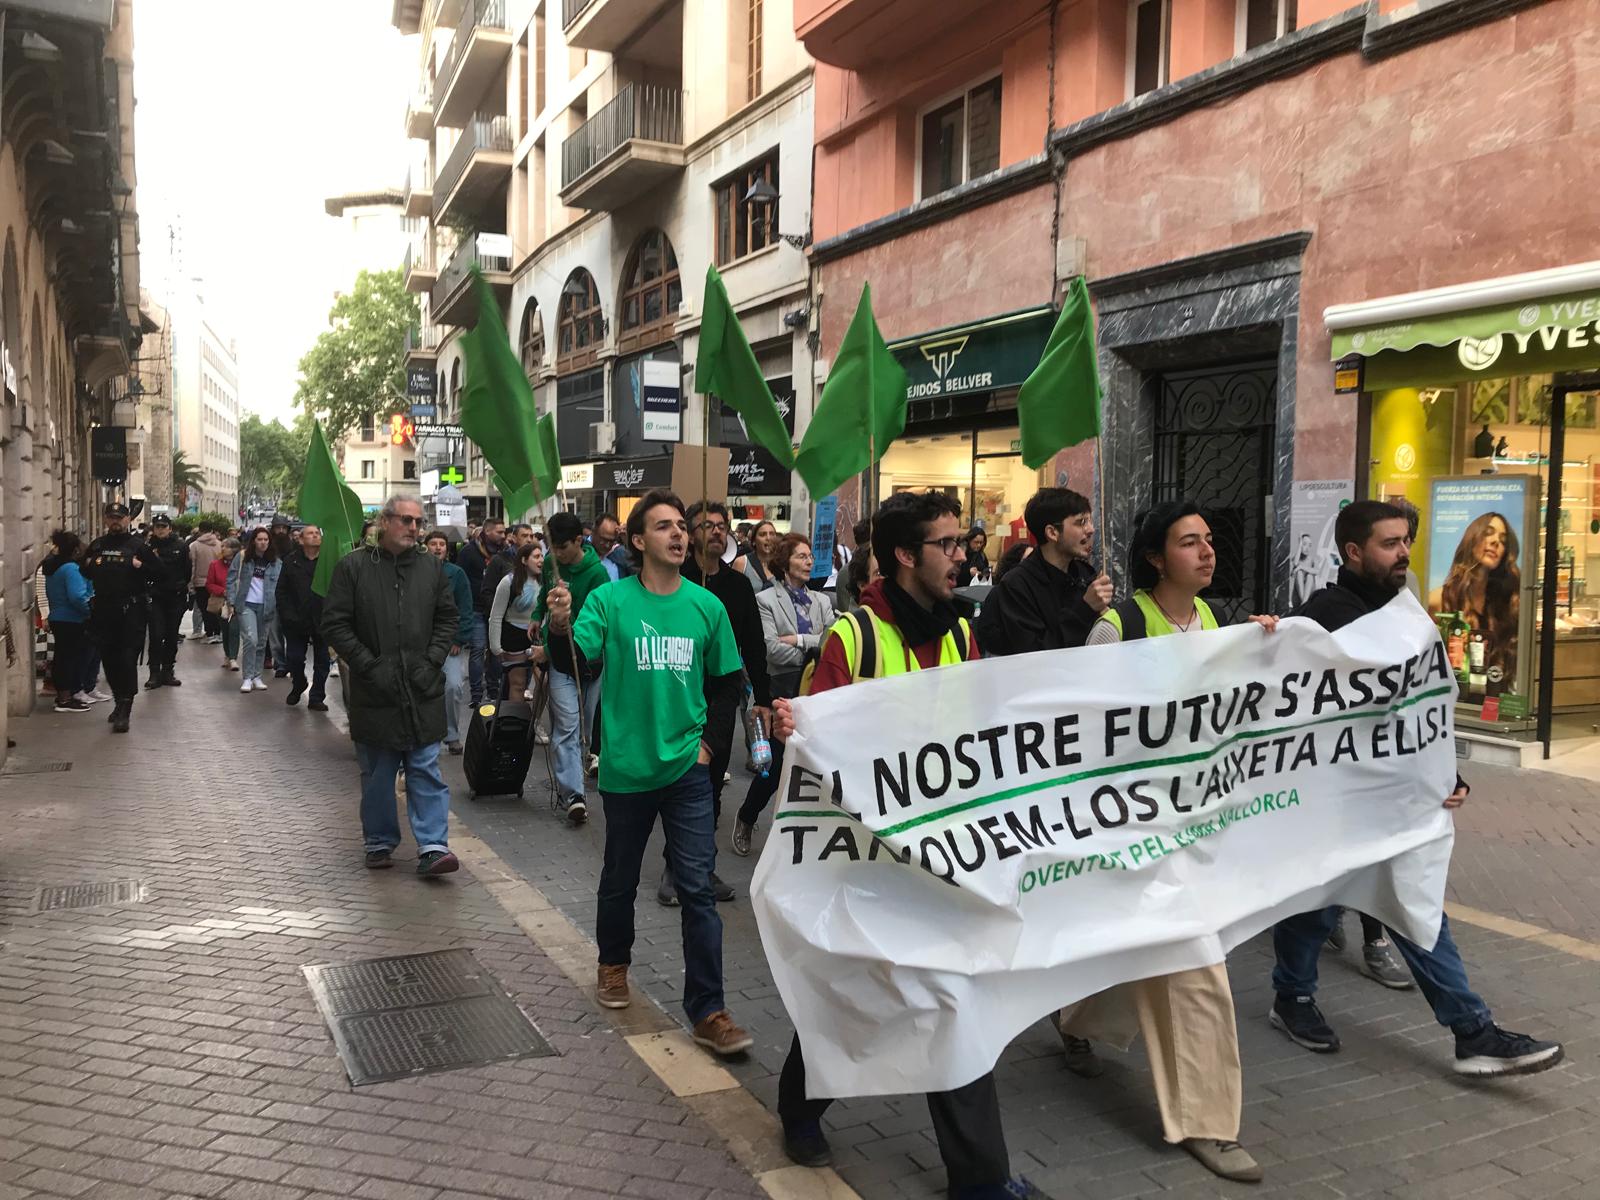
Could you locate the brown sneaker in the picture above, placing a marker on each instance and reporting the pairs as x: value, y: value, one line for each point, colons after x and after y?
x: 718, y: 1034
x: 612, y: 991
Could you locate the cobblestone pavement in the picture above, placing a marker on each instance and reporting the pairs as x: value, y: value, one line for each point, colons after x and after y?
x: 1386, y: 1117
x: 172, y: 1048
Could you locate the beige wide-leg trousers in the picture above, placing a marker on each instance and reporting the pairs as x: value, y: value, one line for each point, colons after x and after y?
x: 1191, y: 1039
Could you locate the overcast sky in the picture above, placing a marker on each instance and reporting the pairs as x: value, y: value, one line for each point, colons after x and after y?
x: 249, y: 116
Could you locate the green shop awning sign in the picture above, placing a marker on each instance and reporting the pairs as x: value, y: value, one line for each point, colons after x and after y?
x: 984, y: 356
x: 1513, y: 339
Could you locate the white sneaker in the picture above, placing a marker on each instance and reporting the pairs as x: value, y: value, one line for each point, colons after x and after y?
x: 260, y: 684
x: 98, y: 696
x: 194, y: 637
x: 214, y: 640
x: 245, y: 686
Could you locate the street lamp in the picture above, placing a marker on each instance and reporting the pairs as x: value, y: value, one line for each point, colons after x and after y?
x: 763, y: 194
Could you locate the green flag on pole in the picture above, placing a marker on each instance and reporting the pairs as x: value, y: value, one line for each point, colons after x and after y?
x: 727, y: 369
x: 517, y: 500
x: 326, y: 502
x: 863, y: 407
x: 1059, y: 405
x: 549, y: 458
x: 497, y: 409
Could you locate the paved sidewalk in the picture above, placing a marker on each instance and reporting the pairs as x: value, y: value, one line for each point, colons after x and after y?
x: 172, y: 1047
x: 1386, y: 1117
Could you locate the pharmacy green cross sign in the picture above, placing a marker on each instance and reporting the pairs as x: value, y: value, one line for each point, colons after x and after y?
x: 452, y: 475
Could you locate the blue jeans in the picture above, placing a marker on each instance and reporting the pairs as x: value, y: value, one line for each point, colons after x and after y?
x: 564, y: 740
x: 455, y: 692
x: 295, y: 660
x: 475, y: 650
x: 684, y: 807
x: 258, y: 633
x: 1440, y: 973
x: 427, y: 797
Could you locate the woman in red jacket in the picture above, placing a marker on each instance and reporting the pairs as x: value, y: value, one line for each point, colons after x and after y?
x: 216, y: 588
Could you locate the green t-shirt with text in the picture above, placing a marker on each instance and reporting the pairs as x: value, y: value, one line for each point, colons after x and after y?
x: 656, y: 653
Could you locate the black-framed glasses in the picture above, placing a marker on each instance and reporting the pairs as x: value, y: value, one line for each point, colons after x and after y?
x: 949, y: 545
x: 712, y: 526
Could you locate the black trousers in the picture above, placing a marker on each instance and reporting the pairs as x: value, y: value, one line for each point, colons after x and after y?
x: 120, y: 638
x: 966, y: 1123
x: 68, y: 658
x: 166, y: 615
x: 295, y: 660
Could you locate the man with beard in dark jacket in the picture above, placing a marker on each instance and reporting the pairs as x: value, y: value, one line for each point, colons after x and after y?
x: 283, y: 544
x: 1375, y: 546
x: 390, y: 617
x: 300, y: 618
x: 169, y: 600
x: 1055, y: 596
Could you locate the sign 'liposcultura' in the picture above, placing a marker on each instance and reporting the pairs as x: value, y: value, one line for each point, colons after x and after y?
x: 963, y: 850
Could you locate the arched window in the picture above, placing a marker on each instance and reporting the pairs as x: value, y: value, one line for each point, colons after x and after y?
x: 532, y: 340
x: 651, y: 293
x: 455, y: 390
x: 580, y: 329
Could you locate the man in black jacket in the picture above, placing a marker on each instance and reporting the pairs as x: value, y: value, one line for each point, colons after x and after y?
x: 708, y: 535
x: 390, y: 617
x: 1375, y: 544
x: 119, y: 565
x: 474, y: 558
x: 300, y: 616
x: 1056, y: 595
x: 169, y: 600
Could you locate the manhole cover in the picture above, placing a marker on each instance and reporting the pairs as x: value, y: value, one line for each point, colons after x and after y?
x: 89, y: 895
x: 417, y: 1013
x: 14, y: 767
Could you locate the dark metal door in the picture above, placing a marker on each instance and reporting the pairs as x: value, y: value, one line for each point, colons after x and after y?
x: 1214, y: 446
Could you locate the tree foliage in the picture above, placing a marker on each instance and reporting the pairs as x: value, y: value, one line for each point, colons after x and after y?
x: 357, y: 365
x: 272, y: 459
x: 185, y: 475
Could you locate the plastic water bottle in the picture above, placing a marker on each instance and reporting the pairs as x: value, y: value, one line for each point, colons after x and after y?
x: 760, y: 747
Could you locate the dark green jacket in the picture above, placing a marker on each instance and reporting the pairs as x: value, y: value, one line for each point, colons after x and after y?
x: 392, y: 621
x: 581, y: 578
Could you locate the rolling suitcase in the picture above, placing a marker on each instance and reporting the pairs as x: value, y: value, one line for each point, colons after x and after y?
x: 499, y: 747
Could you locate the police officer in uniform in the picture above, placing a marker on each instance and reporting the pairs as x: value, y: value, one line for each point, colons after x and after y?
x: 119, y: 565
x: 169, y: 600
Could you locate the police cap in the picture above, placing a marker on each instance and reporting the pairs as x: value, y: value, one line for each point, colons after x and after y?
x: 163, y: 519
x: 117, y: 509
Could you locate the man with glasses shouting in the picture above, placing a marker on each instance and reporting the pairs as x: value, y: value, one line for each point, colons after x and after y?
x: 1055, y: 596
x: 390, y: 616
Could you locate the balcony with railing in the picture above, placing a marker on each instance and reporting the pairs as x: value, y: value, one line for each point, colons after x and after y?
x: 419, y: 116
x: 606, y: 25
x: 418, y: 197
x: 454, y: 300
x: 479, y: 50
x: 629, y: 146
x: 476, y: 171
x: 419, y: 272
x: 422, y: 342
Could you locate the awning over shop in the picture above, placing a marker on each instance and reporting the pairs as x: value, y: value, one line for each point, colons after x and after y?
x: 1518, y: 324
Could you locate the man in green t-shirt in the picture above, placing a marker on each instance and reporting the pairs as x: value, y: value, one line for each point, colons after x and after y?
x: 669, y: 662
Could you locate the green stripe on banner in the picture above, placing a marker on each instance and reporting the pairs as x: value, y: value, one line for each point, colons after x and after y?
x: 1121, y: 768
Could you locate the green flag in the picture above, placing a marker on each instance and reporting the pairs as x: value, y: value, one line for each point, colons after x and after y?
x: 517, y: 500
x: 1059, y: 405
x: 497, y: 409
x: 727, y: 368
x: 326, y: 502
x: 549, y: 457
x: 863, y: 407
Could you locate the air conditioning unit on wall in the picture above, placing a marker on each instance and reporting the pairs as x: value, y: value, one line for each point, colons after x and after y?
x: 602, y: 438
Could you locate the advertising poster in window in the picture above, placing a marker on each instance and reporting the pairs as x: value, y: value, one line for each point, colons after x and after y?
x: 1478, y: 536
x: 1314, y: 559
x: 661, y: 405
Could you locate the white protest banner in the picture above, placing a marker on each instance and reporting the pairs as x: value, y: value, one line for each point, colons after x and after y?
x: 956, y: 853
